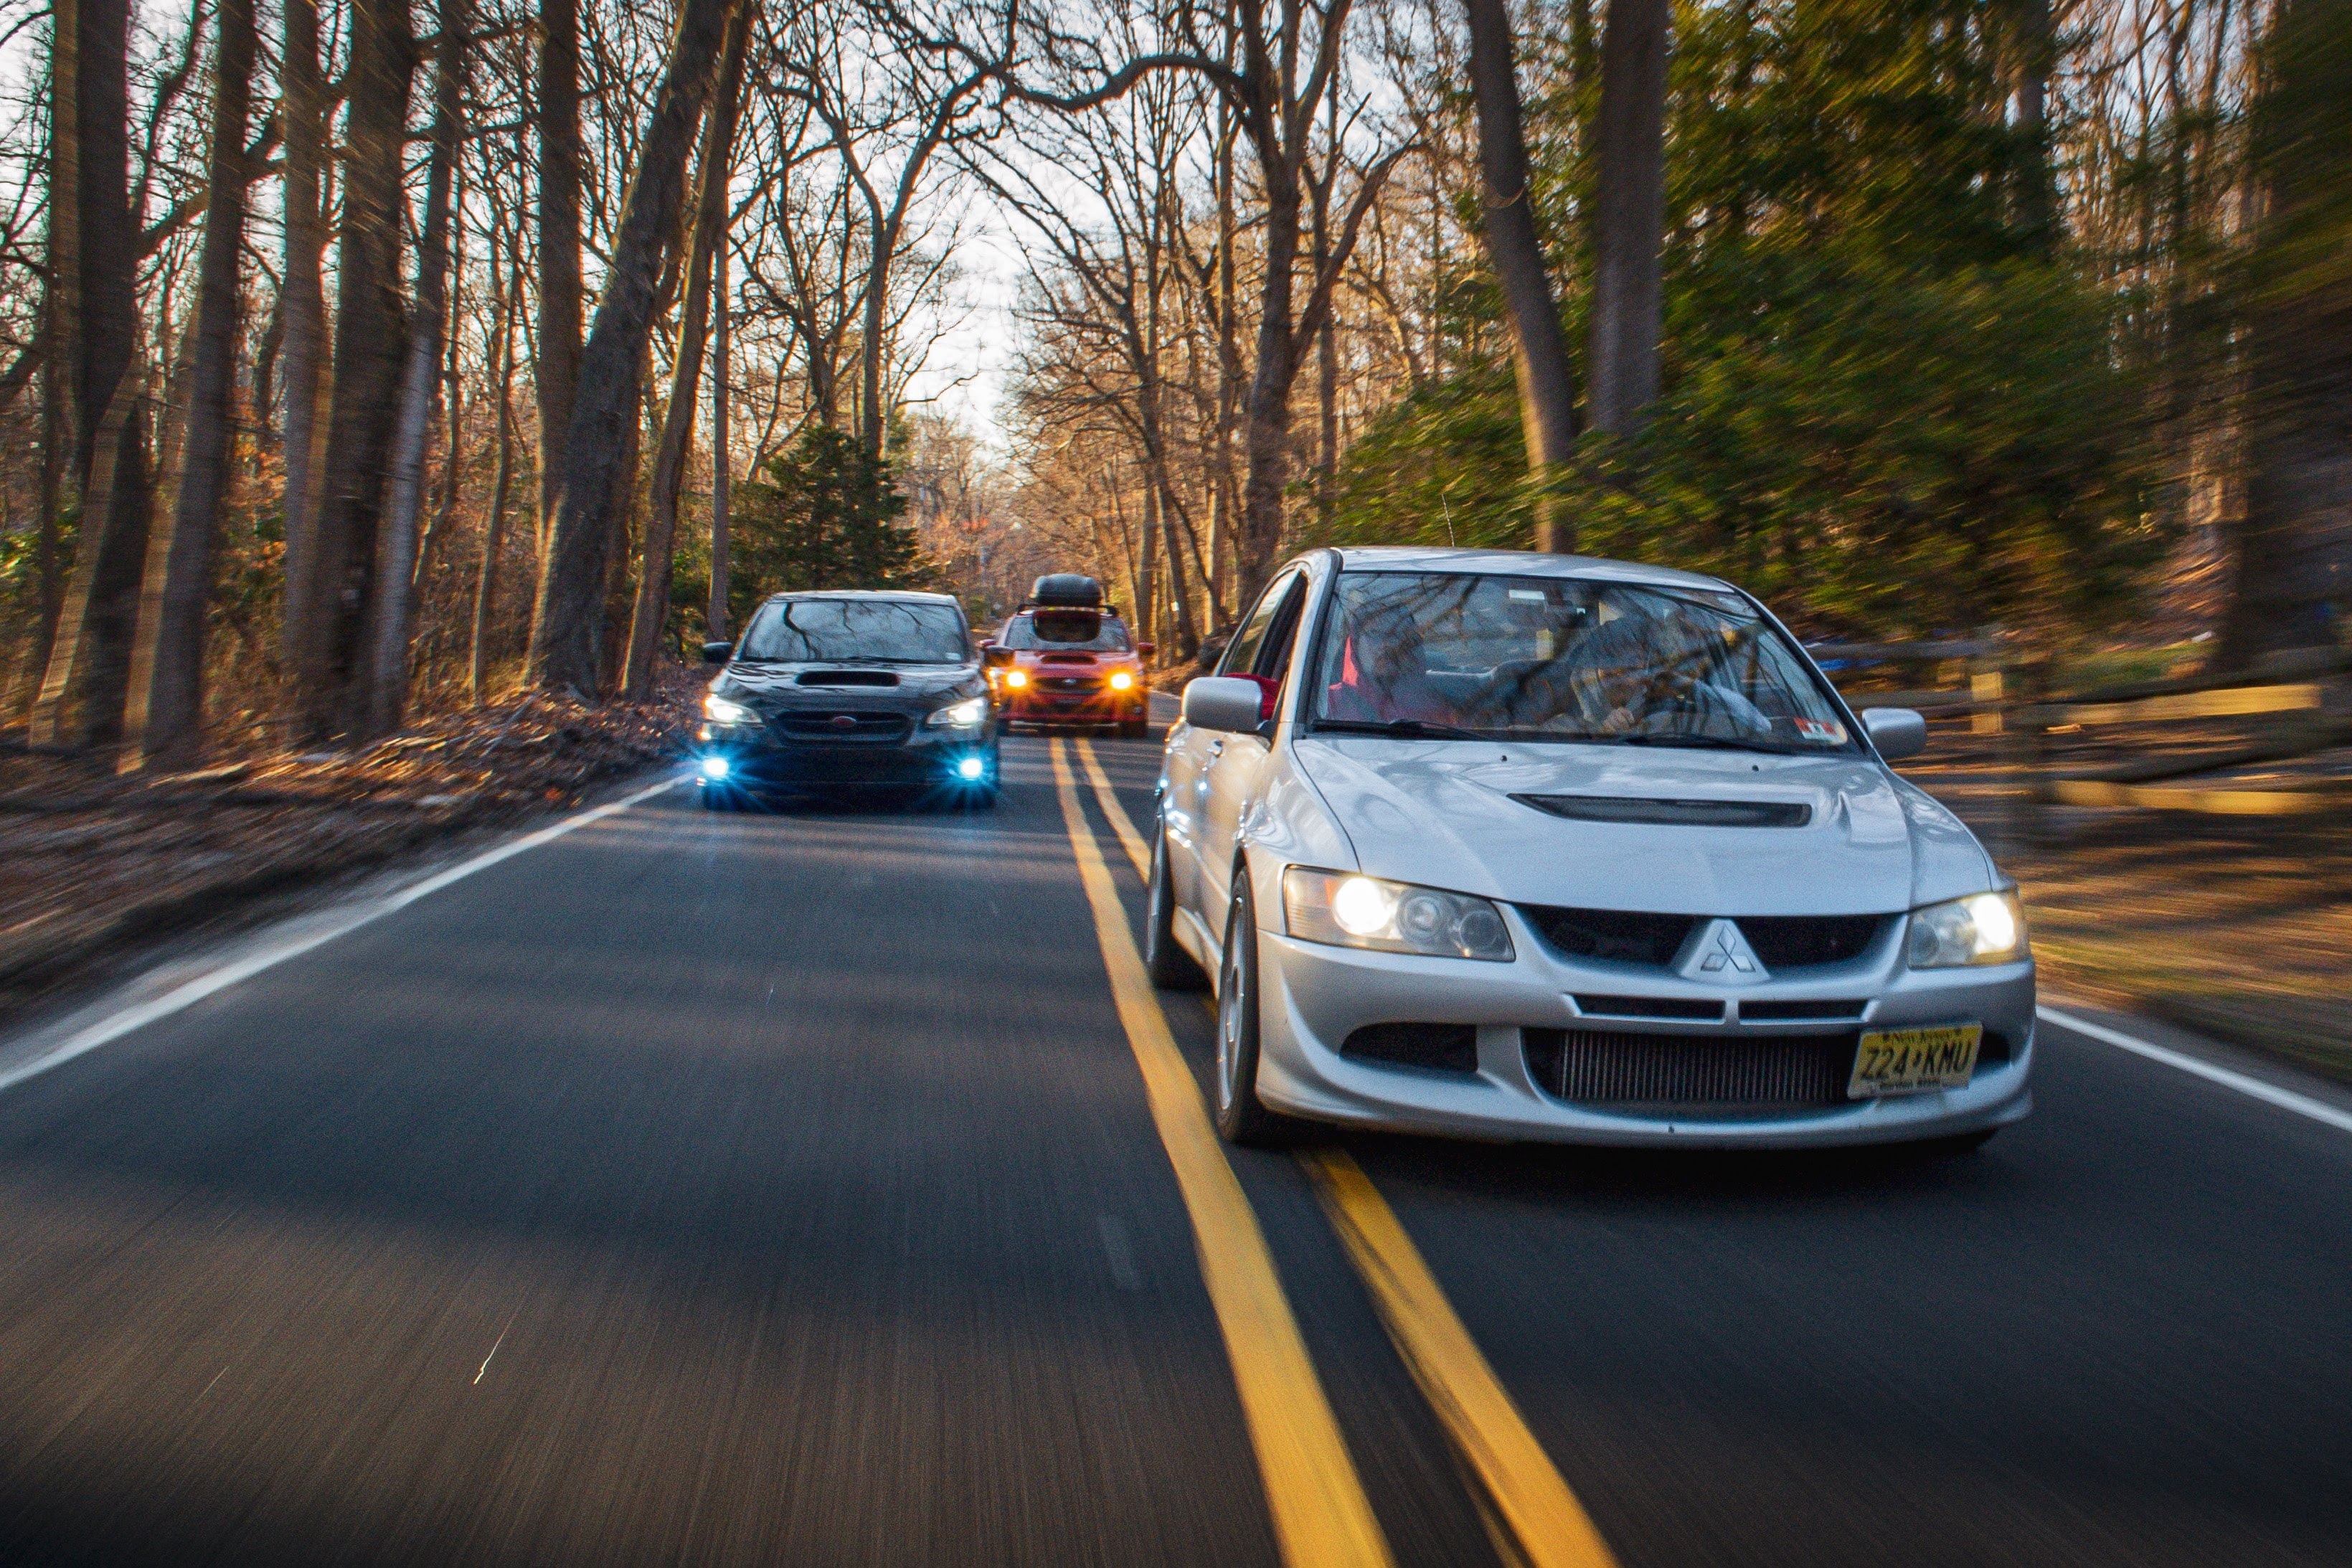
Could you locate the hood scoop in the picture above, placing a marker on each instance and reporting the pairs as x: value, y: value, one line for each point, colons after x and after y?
x: 1672, y: 813
x: 847, y: 677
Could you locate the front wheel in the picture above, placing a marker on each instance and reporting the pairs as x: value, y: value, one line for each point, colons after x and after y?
x: 1169, y: 967
x: 1241, y: 1116
x: 1133, y: 729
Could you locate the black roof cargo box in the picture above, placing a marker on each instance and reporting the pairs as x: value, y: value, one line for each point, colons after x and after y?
x: 1069, y: 590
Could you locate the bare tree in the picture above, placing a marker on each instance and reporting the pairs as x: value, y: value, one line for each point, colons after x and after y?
x: 302, y: 304
x: 370, y: 334
x: 1629, y: 214
x: 566, y: 626
x: 167, y: 693
x: 652, y: 608
x: 1539, y: 361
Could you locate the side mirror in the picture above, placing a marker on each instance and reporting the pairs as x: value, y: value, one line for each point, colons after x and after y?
x: 1898, y: 732
x: 1223, y: 702
x: 717, y: 652
x: 1144, y: 650
x: 995, y: 658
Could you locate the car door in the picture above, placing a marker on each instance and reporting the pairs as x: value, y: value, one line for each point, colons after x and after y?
x: 1186, y: 768
x: 1234, y: 766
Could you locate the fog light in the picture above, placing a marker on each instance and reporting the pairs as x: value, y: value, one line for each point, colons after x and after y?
x: 714, y: 767
x: 970, y: 768
x: 1121, y: 680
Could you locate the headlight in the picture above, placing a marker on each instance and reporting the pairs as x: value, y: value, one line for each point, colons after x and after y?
x: 721, y: 711
x: 960, y: 715
x: 1122, y: 680
x: 1014, y: 680
x: 1983, y: 927
x: 1350, y: 910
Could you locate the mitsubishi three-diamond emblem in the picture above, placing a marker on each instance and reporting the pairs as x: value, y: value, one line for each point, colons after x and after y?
x: 1719, y: 955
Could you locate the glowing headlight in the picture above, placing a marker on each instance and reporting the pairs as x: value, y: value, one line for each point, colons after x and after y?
x: 970, y: 768
x: 960, y: 715
x: 1349, y: 911
x: 1014, y: 680
x: 722, y: 712
x: 714, y: 767
x: 1122, y: 680
x: 1983, y: 927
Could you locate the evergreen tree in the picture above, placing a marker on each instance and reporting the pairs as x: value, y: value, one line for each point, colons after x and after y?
x: 823, y: 513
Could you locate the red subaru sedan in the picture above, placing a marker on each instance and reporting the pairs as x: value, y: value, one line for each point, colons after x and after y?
x: 1064, y: 658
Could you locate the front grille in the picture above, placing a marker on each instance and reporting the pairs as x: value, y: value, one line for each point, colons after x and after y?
x: 822, y: 726
x: 1794, y: 942
x: 1690, y: 1075
x: 1785, y: 1012
x: 1069, y: 683
x: 1648, y: 1008
x: 1622, y: 935
x: 1439, y: 1047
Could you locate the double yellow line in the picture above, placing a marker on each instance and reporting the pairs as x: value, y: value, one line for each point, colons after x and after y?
x: 1320, y: 1513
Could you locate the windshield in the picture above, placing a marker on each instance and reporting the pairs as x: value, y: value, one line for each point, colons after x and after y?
x: 1071, y: 631
x: 1559, y: 658
x: 884, y: 631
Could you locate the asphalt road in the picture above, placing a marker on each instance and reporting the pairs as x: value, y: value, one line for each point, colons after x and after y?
x: 782, y: 1188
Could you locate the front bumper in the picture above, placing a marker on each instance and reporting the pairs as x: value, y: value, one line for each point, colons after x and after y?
x: 756, y: 758
x: 1315, y: 996
x: 1033, y: 706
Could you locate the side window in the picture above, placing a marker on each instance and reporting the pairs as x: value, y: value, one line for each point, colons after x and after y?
x: 1282, y: 632
x: 1241, y: 653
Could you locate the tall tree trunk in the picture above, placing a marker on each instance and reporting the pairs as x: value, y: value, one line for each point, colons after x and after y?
x: 370, y: 334
x: 566, y: 626
x: 1629, y: 213
x: 83, y: 689
x: 453, y: 393
x: 81, y: 696
x: 2293, y: 549
x: 558, y: 342
x: 1515, y: 248
x: 1146, y: 574
x: 652, y: 609
x: 303, y: 305
x: 1265, y: 426
x: 508, y: 301
x: 394, y: 597
x: 167, y: 691
x: 715, y: 618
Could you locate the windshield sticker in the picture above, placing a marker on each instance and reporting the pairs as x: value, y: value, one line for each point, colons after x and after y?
x: 1827, y: 732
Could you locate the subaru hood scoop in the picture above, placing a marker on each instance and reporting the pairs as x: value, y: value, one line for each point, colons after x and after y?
x: 1620, y: 827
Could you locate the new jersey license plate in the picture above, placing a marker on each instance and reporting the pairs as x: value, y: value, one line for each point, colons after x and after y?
x: 1903, y: 1061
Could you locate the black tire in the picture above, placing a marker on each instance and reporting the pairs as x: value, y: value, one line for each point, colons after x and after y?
x: 715, y: 799
x: 1169, y: 967
x: 1134, y: 729
x: 1242, y: 1118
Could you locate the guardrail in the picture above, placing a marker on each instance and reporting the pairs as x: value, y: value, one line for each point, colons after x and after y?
x: 2284, y: 709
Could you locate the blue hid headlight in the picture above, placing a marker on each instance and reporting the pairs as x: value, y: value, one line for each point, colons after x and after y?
x: 714, y: 768
x: 970, y: 768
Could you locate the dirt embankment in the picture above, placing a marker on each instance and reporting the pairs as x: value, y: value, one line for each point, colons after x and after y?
x: 96, y: 866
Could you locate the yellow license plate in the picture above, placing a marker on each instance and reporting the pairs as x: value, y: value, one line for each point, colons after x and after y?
x: 1903, y: 1061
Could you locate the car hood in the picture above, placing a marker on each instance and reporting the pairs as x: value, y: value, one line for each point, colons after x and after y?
x: 1441, y: 813
x: 774, y: 687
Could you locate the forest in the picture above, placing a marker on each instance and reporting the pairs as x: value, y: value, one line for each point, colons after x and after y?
x: 366, y: 360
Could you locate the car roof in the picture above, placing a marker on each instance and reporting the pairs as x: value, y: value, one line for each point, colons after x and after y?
x: 906, y: 596
x: 1519, y: 563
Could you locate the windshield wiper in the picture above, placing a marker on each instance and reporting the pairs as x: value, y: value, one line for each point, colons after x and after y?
x: 1709, y: 743
x: 1405, y: 729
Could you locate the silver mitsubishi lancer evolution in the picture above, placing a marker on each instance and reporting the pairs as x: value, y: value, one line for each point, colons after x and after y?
x: 1535, y: 847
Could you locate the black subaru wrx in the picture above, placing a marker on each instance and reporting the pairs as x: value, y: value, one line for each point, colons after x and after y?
x: 839, y: 690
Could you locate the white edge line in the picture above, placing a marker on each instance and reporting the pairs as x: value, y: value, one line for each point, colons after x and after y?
x: 2245, y: 1084
x: 180, y: 998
